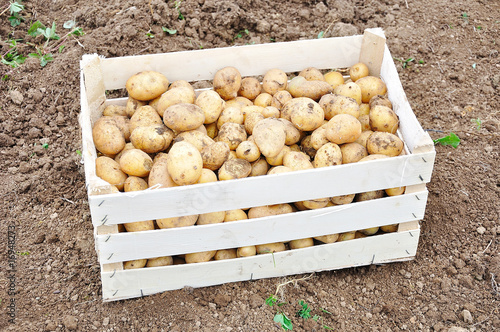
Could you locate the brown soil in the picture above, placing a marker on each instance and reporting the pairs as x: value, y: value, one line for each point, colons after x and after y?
x: 43, y: 190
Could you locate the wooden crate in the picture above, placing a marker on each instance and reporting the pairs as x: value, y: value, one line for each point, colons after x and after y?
x: 412, y: 170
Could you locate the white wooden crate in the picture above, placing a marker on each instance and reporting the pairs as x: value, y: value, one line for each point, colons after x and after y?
x: 412, y: 170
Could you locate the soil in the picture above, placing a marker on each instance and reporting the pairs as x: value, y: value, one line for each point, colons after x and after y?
x: 452, y: 285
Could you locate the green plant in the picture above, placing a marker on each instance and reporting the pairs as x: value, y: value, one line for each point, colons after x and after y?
x: 169, y: 31
x: 240, y: 34
x: 465, y: 17
x: 14, y: 8
x: 23, y: 253
x: 150, y: 34
x: 305, y: 311
x: 452, y: 139
x: 44, y: 58
x: 321, y: 34
x: 280, y: 317
x: 177, y: 6
x: 78, y: 152
x: 405, y: 63
x: 11, y: 57
x: 478, y: 123
x: 45, y: 146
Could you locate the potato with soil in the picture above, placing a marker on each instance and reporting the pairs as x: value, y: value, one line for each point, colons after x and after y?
x: 134, y: 183
x: 313, y: 204
x: 246, y: 251
x: 269, y: 248
x: 358, y: 71
x: 235, y: 215
x: 234, y: 169
x: 271, y: 112
x: 297, y: 161
x: 112, y: 110
x: 306, y: 146
x: 248, y: 151
x: 251, y: 120
x: 136, y: 162
x: 232, y: 134
x: 274, y: 80
x: 305, y: 113
x: 351, y: 90
x: 146, y: 85
x: 352, y: 152
x: 250, y: 88
x: 123, y: 123
x: 139, y: 226
x: 259, y: 167
x: 370, y: 87
x: 227, y: 82
x: 270, y: 136
x: 342, y: 199
x: 382, y: 118
x: 328, y: 155
x: 215, y: 155
x: 230, y: 114
x: 135, y: 264
x: 269, y: 210
x: 180, y: 95
x: 144, y: 116
x: 183, y: 117
x: 174, y: 222
x: 110, y: 171
x: 334, y: 78
x: 225, y: 254
x: 211, y: 218
x: 278, y: 159
x: 337, y: 104
x: 343, y: 128
x: 300, y: 87
x: 108, y: 138
x: 211, y: 104
x: 159, y: 176
x: 152, y: 138
x: 132, y: 105
x: 199, y: 257
x: 369, y: 195
x: 384, y: 143
x: 195, y: 137
x: 330, y: 238
x: 312, y: 74
x: 207, y: 176
x: 184, y: 163
x: 293, y: 135
x: 263, y: 100
x: 280, y: 98
x: 318, y: 137
x: 160, y: 261
x: 301, y: 243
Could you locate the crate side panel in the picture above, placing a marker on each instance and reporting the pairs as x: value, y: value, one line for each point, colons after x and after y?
x: 380, y: 249
x: 281, y: 228
x: 250, y: 60
x: 261, y: 190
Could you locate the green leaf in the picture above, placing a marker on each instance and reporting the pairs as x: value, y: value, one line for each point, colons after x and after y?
x: 69, y: 24
x: 285, y: 322
x: 452, y: 139
x: 78, y: 152
x: 321, y: 34
x: 478, y: 123
x: 271, y: 300
x: 46, y: 59
x: 305, y: 312
x: 474, y: 65
x: 77, y: 32
x: 61, y: 48
x: 169, y: 31
x: 36, y: 29
x: 15, y: 7
x: 15, y: 20
x: 45, y: 146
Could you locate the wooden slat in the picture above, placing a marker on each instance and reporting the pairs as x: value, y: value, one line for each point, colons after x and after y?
x: 251, y: 60
x: 107, y: 266
x: 118, y: 285
x: 372, y: 50
x: 282, y: 228
x: 261, y: 190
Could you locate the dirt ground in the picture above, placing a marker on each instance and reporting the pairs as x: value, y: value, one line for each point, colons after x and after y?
x: 452, y: 285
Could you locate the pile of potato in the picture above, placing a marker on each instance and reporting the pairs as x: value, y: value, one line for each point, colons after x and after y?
x: 168, y: 135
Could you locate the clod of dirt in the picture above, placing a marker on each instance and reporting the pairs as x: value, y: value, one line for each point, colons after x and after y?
x: 70, y: 322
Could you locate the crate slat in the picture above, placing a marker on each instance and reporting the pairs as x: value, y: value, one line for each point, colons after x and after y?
x: 281, y: 228
x: 379, y: 249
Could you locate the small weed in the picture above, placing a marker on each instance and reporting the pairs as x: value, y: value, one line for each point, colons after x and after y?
x: 474, y: 65
x: 321, y: 34
x: 78, y: 152
x: 5, y: 78
x: 177, y: 6
x: 14, y: 8
x: 421, y: 62
x: 23, y: 253
x: 169, y: 31
x: 284, y: 321
x: 465, y: 17
x: 45, y: 146
x: 479, y: 28
x: 452, y: 139
x: 405, y: 63
x: 150, y: 34
x: 478, y: 123
x: 240, y: 34
x: 44, y: 58
x: 305, y: 311
x: 272, y: 40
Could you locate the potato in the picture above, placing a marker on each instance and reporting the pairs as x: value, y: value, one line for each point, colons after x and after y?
x: 135, y: 264
x: 263, y: 100
x: 373, y: 157
x: 184, y: 163
x: 280, y: 98
x: 215, y: 155
x: 346, y: 236
x: 139, y: 226
x: 247, y: 110
x: 152, y: 138
x: 338, y: 104
x: 299, y: 205
x: 293, y: 135
x: 343, y: 199
x: 199, y: 257
x: 246, y: 251
x: 358, y: 71
x: 363, y: 138
x: 369, y: 195
x: 270, y: 248
x: 146, y: 85
x: 305, y: 113
x: 232, y: 155
x: 144, y: 116
x: 211, y: 218
x: 297, y: 161
x: 239, y: 102
x: 306, y: 146
x: 384, y: 143
x: 343, y: 128
x: 370, y: 87
x: 159, y: 176
x: 136, y: 162
x: 174, y: 222
x: 196, y: 138
x: 278, y: 159
x: 251, y: 120
x: 352, y: 152
x: 180, y: 95
x: 389, y: 228
x: 334, y: 78
x: 232, y: 134
x: 369, y: 231
x: 300, y: 87
x: 160, y: 261
x: 234, y: 169
x: 212, y: 130
x: 380, y: 100
x: 312, y: 74
x: 365, y: 122
x: 328, y: 155
x: 330, y: 238
x: 382, y: 118
x: 395, y: 191
x: 250, y: 88
x: 134, y: 183
x: 349, y: 89
x: 225, y: 254
x: 259, y: 167
x: 211, y: 104
x: 112, y: 110
x: 270, y: 136
x: 279, y: 169
x: 124, y: 124
x: 248, y: 151
x: 364, y: 109
x: 274, y: 80
x: 207, y: 176
x: 110, y: 171
x: 301, y: 243
x: 230, y: 114
x: 234, y: 215
x: 107, y: 136
x: 271, y: 112
x: 269, y: 210
x: 227, y: 82
x: 183, y: 117
x: 133, y: 105
x: 313, y: 204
